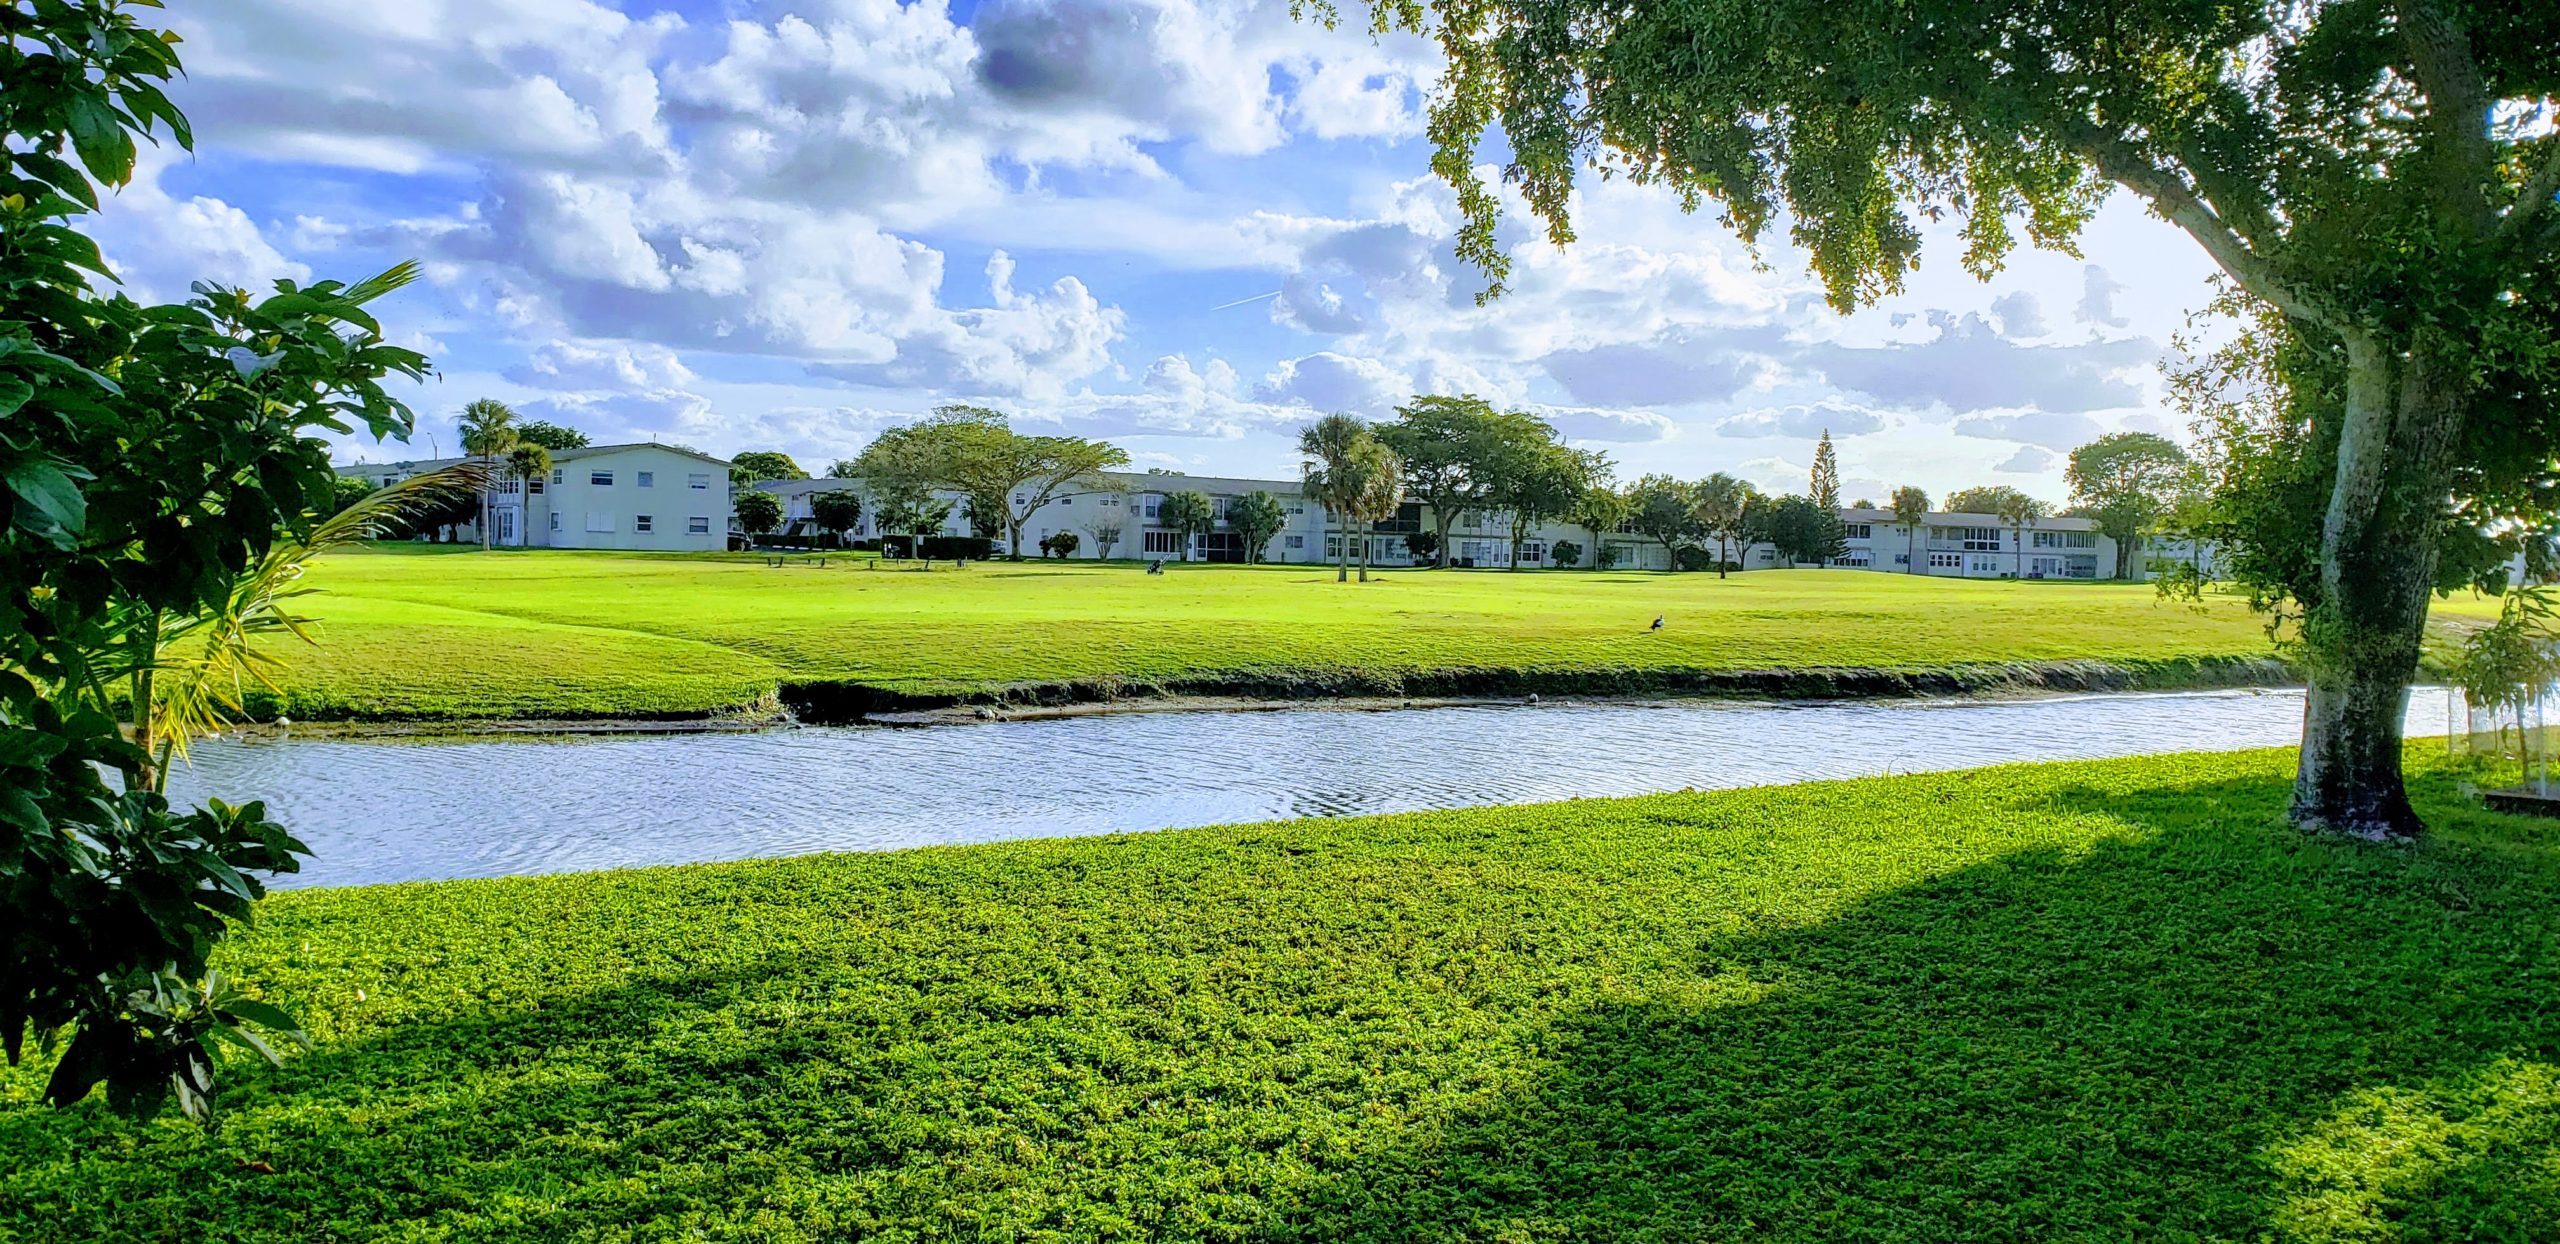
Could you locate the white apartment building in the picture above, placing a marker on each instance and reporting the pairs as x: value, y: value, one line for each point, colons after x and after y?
x: 640, y: 497
x: 1973, y: 546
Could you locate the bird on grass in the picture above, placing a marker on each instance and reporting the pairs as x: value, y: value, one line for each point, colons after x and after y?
x: 1657, y: 622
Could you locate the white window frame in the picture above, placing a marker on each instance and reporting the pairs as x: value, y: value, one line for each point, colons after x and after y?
x: 648, y: 479
x: 600, y: 479
x: 555, y: 520
x: 699, y: 481
x: 698, y: 525
x: 643, y: 523
x: 600, y: 522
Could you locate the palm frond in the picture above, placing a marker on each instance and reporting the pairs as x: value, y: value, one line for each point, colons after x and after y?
x: 203, y: 665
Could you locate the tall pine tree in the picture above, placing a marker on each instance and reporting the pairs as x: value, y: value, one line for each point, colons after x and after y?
x: 1826, y: 497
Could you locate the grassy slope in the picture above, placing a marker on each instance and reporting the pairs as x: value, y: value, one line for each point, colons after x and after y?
x: 2104, y: 1000
x: 566, y: 634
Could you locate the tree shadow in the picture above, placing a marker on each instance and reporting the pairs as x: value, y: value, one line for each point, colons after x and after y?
x: 2191, y: 1031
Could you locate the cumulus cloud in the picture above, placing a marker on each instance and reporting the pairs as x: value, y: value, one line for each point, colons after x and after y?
x: 2020, y: 314
x: 2098, y: 299
x: 1805, y: 420
x: 1326, y: 381
x: 1614, y: 425
x: 602, y: 365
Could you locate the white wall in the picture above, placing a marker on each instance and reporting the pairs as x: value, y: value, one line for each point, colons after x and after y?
x: 684, y: 500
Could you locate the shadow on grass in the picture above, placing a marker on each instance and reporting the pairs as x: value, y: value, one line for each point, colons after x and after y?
x: 2191, y: 1027
x: 2194, y: 1032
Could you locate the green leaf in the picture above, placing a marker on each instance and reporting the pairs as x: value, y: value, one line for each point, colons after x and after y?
x: 14, y: 392
x: 99, y: 135
x: 264, y: 1014
x: 44, y: 486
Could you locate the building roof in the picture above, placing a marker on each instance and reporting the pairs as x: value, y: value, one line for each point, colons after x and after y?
x: 1939, y: 518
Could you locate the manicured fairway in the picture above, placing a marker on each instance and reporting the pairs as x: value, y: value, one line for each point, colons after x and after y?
x: 467, y: 634
x: 2085, y: 1001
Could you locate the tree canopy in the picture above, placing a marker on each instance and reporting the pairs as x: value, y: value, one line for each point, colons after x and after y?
x: 2127, y: 482
x: 1256, y: 517
x: 552, y: 436
x: 756, y: 464
x: 974, y: 451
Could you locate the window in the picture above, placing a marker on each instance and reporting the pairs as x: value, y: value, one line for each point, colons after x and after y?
x: 1017, y: 500
x: 699, y: 481
x: 1297, y: 542
x: 1164, y: 542
x: 389, y: 480
x: 1945, y: 561
x: 1902, y: 559
x: 648, y: 479
x: 1533, y: 551
x: 643, y: 523
x: 533, y: 487
x: 601, y: 479
x: 1152, y: 502
x: 555, y: 475
x: 555, y: 520
x: 697, y: 526
x: 1858, y: 531
x: 2066, y: 539
x: 1856, y: 560
x: 1975, y: 539
x: 600, y: 520
x: 1068, y: 500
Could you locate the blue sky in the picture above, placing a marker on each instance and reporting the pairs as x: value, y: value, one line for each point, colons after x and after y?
x: 1187, y: 226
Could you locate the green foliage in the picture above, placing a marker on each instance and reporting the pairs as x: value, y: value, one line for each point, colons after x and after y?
x: 1667, y: 510
x: 153, y: 463
x: 1424, y: 545
x: 1826, y: 474
x: 1256, y: 517
x: 1603, y: 509
x: 2030, y: 1003
x: 974, y: 451
x: 1727, y: 512
x: 1538, y: 478
x: 552, y: 436
x: 762, y: 464
x: 759, y: 513
x: 1801, y: 530
x: 836, y: 511
x: 1992, y: 499
x: 2128, y: 482
x: 1061, y: 544
x: 1355, y: 476
x: 1566, y: 553
x: 1190, y: 513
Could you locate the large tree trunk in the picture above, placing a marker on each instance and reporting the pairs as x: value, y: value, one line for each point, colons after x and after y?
x: 2377, y: 569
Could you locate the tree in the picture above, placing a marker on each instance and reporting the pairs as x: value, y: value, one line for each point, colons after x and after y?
x: 162, y: 479
x: 985, y: 514
x: 1567, y: 554
x: 1256, y: 517
x: 837, y: 511
x: 1188, y: 513
x: 1826, y: 481
x: 1455, y: 451
x: 759, y: 512
x: 1723, y: 507
x: 1006, y: 476
x: 527, y: 463
x: 1060, y: 544
x: 2127, y: 481
x: 2374, y: 173
x: 759, y: 464
x: 1107, y: 532
x: 1602, y: 510
x: 910, y: 512
x: 1910, y: 512
x: 2020, y: 512
x: 1423, y: 545
x: 552, y: 436
x: 1536, y: 477
x: 488, y: 432
x: 1667, y: 510
x: 1801, y: 530
x: 1346, y: 470
x: 844, y: 468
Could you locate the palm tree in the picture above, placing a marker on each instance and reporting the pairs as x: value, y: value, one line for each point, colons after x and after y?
x: 1911, y: 509
x: 1382, y: 489
x: 1339, y: 473
x: 488, y: 430
x: 2021, y: 511
x: 187, y: 672
x: 527, y: 462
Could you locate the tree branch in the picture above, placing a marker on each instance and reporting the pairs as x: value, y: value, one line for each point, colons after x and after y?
x: 2177, y: 202
x: 2457, y: 112
x: 2534, y: 199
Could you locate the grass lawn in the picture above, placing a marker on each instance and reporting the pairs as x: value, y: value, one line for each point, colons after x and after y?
x: 2082, y: 1001
x: 437, y: 633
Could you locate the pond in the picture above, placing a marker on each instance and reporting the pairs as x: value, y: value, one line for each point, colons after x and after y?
x: 378, y: 810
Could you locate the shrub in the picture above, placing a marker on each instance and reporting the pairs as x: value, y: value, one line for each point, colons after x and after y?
x: 1061, y: 545
x: 1566, y: 553
x: 974, y: 547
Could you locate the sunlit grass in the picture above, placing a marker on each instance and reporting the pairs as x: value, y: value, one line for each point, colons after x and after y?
x: 446, y: 634
x: 2110, y: 1000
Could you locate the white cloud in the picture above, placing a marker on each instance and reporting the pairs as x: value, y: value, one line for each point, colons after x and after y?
x: 1968, y: 366
x: 2098, y: 299
x: 1806, y: 421
x: 2020, y: 314
x: 2029, y: 460
x: 602, y: 365
x: 2064, y: 430
x: 1327, y: 382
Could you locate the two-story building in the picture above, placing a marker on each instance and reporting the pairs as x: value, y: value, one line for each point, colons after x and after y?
x: 642, y: 496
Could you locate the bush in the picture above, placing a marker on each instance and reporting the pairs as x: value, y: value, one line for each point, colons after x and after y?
x: 1566, y: 552
x: 976, y: 548
x: 1061, y: 545
x: 1693, y: 559
x: 1611, y: 555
